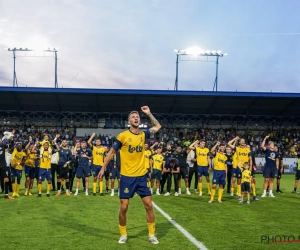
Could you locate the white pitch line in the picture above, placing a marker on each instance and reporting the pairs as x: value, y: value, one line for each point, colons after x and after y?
x: 190, y: 237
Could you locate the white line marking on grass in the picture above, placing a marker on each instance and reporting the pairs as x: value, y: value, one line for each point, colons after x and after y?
x: 190, y: 237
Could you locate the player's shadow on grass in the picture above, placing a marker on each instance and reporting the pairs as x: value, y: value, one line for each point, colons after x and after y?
x: 161, y: 229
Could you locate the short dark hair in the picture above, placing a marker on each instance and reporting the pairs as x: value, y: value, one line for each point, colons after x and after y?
x: 172, y: 161
x: 202, y: 140
x: 222, y: 145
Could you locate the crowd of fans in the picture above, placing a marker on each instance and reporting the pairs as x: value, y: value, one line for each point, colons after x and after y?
x: 284, y: 139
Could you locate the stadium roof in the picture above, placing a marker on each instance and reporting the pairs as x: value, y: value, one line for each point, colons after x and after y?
x: 21, y: 99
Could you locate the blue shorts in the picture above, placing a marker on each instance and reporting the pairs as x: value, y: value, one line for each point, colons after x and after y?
x: 37, y: 172
x: 202, y: 171
x: 16, y: 173
x: 219, y: 177
x: 156, y: 174
x: 96, y: 169
x: 131, y: 185
x: 269, y: 172
x: 236, y: 173
x: 246, y: 187
x: 83, y: 172
x: 29, y: 172
x: 45, y: 173
x: 114, y: 173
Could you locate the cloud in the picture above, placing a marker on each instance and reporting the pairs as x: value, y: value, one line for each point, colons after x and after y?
x: 129, y: 44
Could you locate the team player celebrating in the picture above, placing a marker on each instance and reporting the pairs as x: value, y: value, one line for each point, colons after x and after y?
x: 203, y: 162
x: 29, y: 167
x: 65, y: 158
x: 243, y: 154
x: 83, y: 170
x: 4, y: 170
x: 157, y: 164
x: 45, y: 167
x: 98, y: 153
x: 17, y: 163
x: 133, y: 171
x: 272, y: 164
x: 220, y: 171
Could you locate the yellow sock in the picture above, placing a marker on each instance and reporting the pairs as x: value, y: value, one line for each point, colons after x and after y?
x: 13, y: 187
x: 101, y: 186
x: 253, y: 189
x: 232, y: 190
x: 238, y: 187
x: 26, y: 190
x: 62, y: 184
x: 149, y: 184
x: 208, y: 187
x: 40, y: 188
x: 220, y: 194
x: 122, y: 230
x: 94, y: 187
x: 48, y: 188
x: 200, y: 187
x: 212, y: 196
x: 151, y: 228
x: 17, y: 188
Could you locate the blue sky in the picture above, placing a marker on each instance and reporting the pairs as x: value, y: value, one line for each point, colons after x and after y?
x: 130, y: 44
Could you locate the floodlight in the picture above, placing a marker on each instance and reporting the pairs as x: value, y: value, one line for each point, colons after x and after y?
x: 196, y: 51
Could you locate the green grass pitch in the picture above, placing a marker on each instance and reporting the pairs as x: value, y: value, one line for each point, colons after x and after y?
x: 92, y: 222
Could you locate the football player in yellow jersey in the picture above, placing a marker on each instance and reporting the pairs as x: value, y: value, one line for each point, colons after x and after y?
x: 203, y: 163
x: 157, y: 164
x: 29, y: 167
x: 220, y: 171
x: 246, y: 179
x: 45, y: 167
x: 147, y: 154
x: 242, y: 153
x: 98, y: 153
x: 133, y: 171
x: 17, y: 163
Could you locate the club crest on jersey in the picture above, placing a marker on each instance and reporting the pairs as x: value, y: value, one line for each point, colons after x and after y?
x: 126, y: 190
x: 130, y: 140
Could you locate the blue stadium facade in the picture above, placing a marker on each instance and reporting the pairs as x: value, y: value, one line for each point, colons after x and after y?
x: 199, y: 107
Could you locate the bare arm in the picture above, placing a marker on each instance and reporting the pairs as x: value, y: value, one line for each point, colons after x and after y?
x: 250, y: 163
x: 193, y: 145
x: 163, y: 165
x: 151, y: 165
x: 232, y: 143
x: 90, y: 140
x: 213, y: 150
x: 29, y: 142
x: 108, y: 158
x: 277, y: 163
x: 263, y: 143
x: 153, y: 146
x: 155, y: 124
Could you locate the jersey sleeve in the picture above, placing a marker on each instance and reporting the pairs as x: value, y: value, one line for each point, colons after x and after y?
x: 147, y: 134
x: 118, y: 142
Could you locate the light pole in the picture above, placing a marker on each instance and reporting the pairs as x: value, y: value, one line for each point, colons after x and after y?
x: 51, y: 50
x: 198, y: 52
